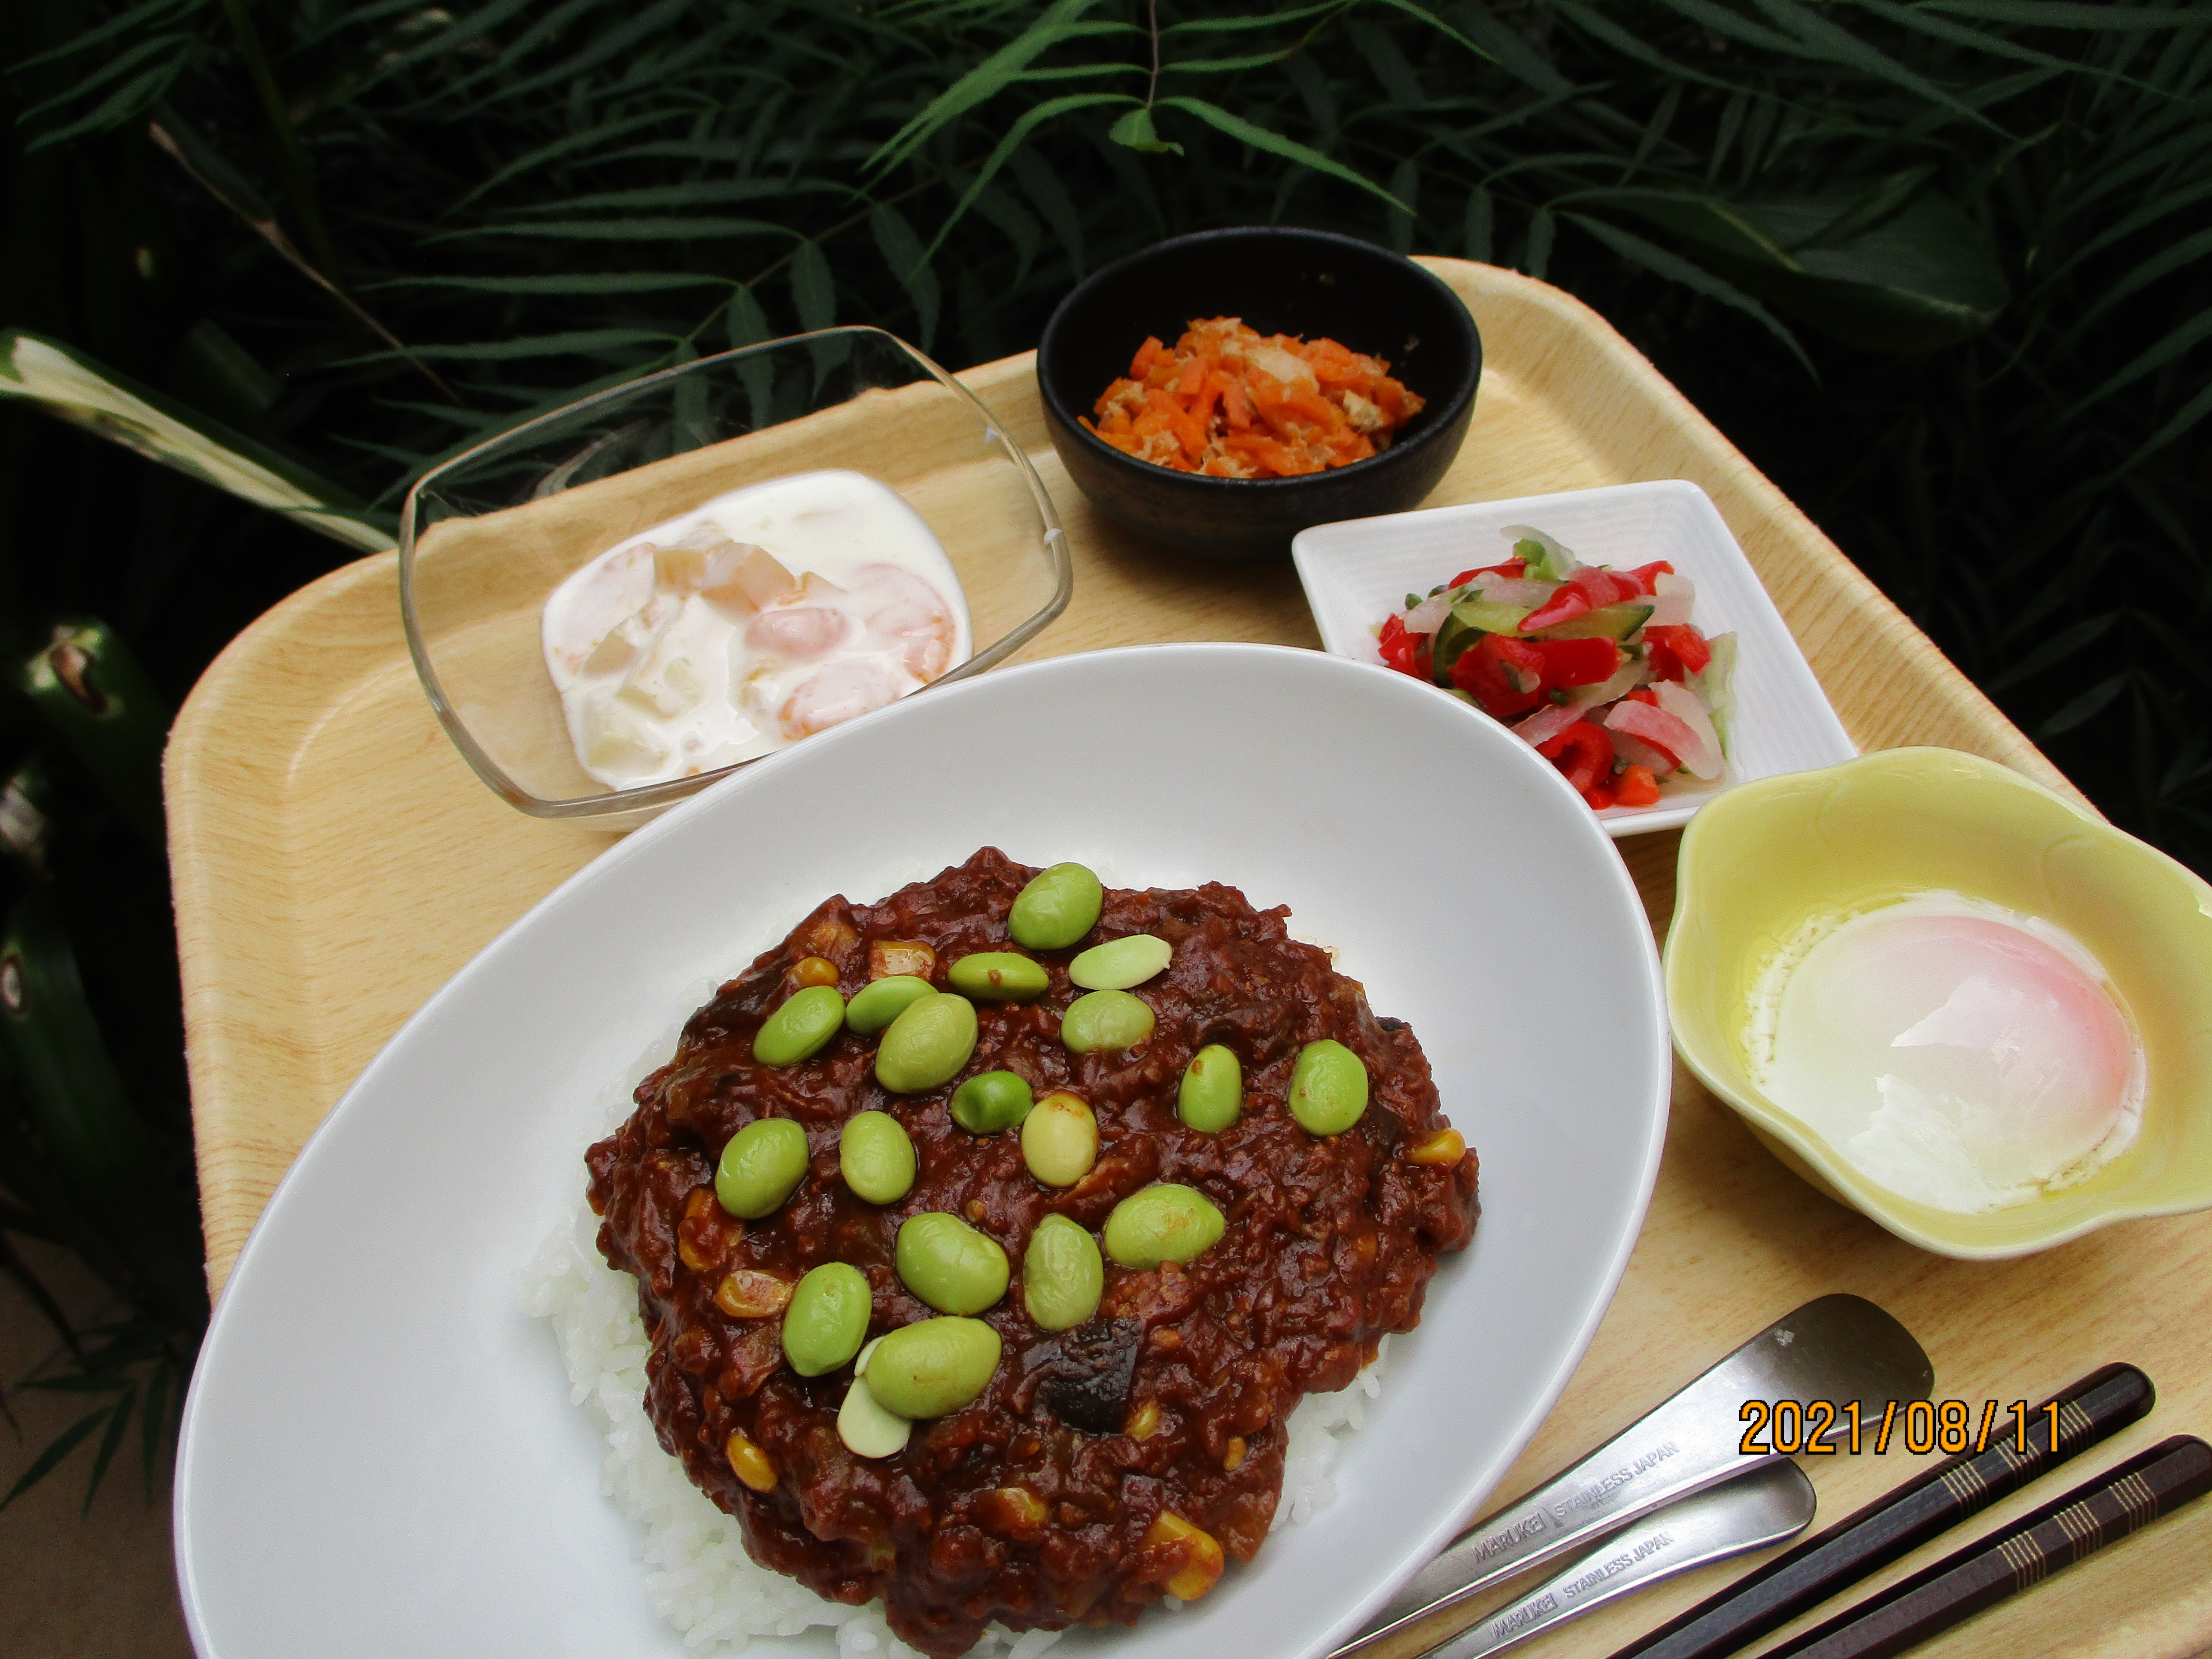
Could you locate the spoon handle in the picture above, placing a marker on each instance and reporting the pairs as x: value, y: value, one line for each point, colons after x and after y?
x: 1772, y: 1502
x: 1894, y: 1525
x: 1838, y: 1348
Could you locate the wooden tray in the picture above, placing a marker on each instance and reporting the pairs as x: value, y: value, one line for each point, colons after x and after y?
x: 335, y: 862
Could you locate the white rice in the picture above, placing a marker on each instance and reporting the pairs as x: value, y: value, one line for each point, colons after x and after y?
x: 700, y: 1578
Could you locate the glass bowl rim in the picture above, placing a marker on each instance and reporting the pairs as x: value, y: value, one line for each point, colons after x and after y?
x: 654, y: 797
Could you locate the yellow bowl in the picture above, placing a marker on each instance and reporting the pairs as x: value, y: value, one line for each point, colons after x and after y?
x: 1763, y: 859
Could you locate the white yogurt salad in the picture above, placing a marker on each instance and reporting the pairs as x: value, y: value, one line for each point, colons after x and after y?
x: 1962, y: 1055
x: 762, y: 617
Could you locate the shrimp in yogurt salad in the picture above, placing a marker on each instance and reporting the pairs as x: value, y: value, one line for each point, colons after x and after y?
x: 767, y: 614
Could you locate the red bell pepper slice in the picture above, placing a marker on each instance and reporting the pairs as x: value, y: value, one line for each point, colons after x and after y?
x: 1676, y: 651
x: 1575, y: 662
x: 1636, y: 786
x: 1516, y: 567
x: 1396, y: 645
x: 1647, y: 575
x: 1585, y: 753
x: 1504, y: 676
x: 1592, y: 591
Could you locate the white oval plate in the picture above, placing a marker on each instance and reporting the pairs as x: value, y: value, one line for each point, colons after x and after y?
x: 379, y: 1457
x: 1358, y: 572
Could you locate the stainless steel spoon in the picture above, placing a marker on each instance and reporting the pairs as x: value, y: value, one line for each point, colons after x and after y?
x: 1772, y: 1502
x: 1838, y: 1348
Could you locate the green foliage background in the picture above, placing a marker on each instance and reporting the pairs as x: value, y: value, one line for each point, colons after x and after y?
x: 1939, y: 268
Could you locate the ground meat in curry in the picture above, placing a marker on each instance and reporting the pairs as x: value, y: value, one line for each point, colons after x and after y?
x: 1032, y: 1505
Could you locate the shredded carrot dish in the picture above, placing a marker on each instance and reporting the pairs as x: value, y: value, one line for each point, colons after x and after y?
x: 1235, y: 403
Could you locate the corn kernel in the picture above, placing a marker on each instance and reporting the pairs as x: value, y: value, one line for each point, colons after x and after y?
x: 747, y: 1293
x: 1022, y: 1508
x: 887, y: 956
x: 1201, y: 1558
x: 1145, y: 1421
x: 1445, y: 1147
x: 753, y: 1465
x: 815, y: 970
x: 1232, y: 1455
x: 704, y: 1235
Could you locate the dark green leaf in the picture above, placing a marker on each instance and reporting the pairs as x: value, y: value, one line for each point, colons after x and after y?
x: 573, y: 285
x: 2083, y: 708
x: 1676, y: 269
x: 2151, y: 359
x: 78, y: 389
x: 578, y: 341
x: 813, y: 289
x: 2055, y: 648
x: 2058, y: 15
x: 125, y: 104
x: 1061, y: 21
x: 621, y: 230
x: 903, y: 252
x: 34, y: 1289
x: 1135, y: 130
x: 1275, y: 144
x: 1921, y: 278
x: 60, y: 1447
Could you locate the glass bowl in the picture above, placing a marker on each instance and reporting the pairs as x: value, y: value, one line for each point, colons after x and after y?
x: 486, y: 537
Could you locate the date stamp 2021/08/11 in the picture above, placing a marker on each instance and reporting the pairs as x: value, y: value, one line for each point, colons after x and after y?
x: 1823, y: 1428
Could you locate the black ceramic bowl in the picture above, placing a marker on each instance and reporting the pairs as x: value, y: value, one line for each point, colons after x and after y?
x: 1305, y: 283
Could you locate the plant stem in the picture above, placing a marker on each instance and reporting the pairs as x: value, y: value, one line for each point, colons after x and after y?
x: 289, y: 162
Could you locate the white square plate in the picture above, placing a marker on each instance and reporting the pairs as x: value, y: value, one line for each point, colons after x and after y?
x: 1358, y: 572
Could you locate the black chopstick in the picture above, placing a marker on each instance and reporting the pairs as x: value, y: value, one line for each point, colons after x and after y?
x: 1899, y: 1522
x: 2125, y: 1498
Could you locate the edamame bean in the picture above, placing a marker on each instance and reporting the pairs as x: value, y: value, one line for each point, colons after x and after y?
x: 827, y: 1318
x: 877, y: 1005
x: 1062, y: 1276
x: 1329, y: 1088
x: 760, y: 1164
x: 948, y: 1264
x: 999, y: 976
x: 877, y: 1157
x: 992, y: 1101
x: 1105, y: 1020
x: 1120, y: 962
x: 1164, y: 1222
x: 867, y: 1428
x: 927, y: 1045
x: 1060, y: 1140
x: 799, y: 1029
x: 934, y: 1366
x: 1213, y: 1093
x: 1058, y: 906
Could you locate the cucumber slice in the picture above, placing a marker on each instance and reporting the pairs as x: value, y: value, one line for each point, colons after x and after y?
x: 1714, y: 687
x: 1548, y: 562
x: 1611, y: 622
x: 1470, y: 619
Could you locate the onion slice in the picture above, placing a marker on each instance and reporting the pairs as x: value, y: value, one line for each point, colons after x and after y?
x: 1655, y: 726
x: 1429, y: 615
x: 1519, y: 591
x: 1673, y: 595
x: 1632, y: 751
x: 1631, y: 673
x: 1546, y: 723
x: 1706, y: 761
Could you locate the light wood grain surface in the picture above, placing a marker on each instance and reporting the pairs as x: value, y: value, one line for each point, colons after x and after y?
x: 335, y: 862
